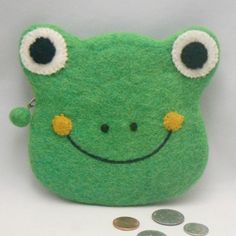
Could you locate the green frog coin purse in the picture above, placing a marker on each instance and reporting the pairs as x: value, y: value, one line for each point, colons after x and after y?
x: 117, y: 118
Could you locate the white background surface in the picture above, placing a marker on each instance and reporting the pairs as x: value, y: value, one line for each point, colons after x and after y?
x: 26, y: 208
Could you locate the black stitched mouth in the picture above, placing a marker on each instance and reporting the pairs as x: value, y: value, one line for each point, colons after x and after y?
x: 155, y: 151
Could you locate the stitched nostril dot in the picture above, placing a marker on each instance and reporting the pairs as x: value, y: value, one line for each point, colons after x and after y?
x: 105, y: 128
x: 133, y: 126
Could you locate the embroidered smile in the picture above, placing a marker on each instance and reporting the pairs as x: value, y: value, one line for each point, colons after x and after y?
x: 129, y: 161
x: 62, y: 126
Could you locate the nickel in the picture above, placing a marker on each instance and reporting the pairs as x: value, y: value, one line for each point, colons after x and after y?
x: 151, y: 233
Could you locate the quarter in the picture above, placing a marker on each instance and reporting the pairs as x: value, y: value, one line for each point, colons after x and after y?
x: 168, y: 217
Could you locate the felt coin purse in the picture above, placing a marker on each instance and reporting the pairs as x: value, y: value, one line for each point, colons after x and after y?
x: 117, y: 119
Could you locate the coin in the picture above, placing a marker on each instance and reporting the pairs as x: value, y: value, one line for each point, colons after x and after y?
x: 168, y: 217
x: 151, y: 233
x: 196, y: 229
x: 126, y: 223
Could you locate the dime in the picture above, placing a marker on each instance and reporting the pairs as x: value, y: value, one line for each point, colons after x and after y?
x: 151, y: 233
x: 168, y: 217
x: 196, y: 229
x: 126, y: 223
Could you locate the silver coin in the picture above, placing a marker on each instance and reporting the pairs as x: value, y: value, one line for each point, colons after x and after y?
x: 151, y: 233
x: 168, y: 217
x: 196, y: 229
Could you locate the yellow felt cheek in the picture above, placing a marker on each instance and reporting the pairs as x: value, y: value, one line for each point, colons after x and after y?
x: 61, y: 125
x: 173, y: 121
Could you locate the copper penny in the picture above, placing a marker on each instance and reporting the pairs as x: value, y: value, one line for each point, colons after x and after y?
x: 126, y: 223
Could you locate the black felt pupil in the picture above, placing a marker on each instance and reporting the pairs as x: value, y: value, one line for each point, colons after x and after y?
x: 42, y: 50
x: 194, y: 55
x: 133, y: 126
x: 104, y: 128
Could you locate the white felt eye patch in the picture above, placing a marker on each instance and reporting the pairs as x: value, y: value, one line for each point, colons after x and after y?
x: 195, y: 53
x: 43, y: 51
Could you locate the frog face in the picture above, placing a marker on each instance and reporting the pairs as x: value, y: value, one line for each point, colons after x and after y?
x: 117, y: 118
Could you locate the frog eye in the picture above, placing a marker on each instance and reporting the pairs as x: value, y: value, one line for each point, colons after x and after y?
x: 195, y: 53
x: 43, y: 51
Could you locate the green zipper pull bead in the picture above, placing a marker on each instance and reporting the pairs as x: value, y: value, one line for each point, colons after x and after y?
x: 20, y: 116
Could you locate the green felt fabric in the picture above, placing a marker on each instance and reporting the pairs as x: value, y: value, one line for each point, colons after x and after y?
x: 20, y: 116
x: 117, y: 79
